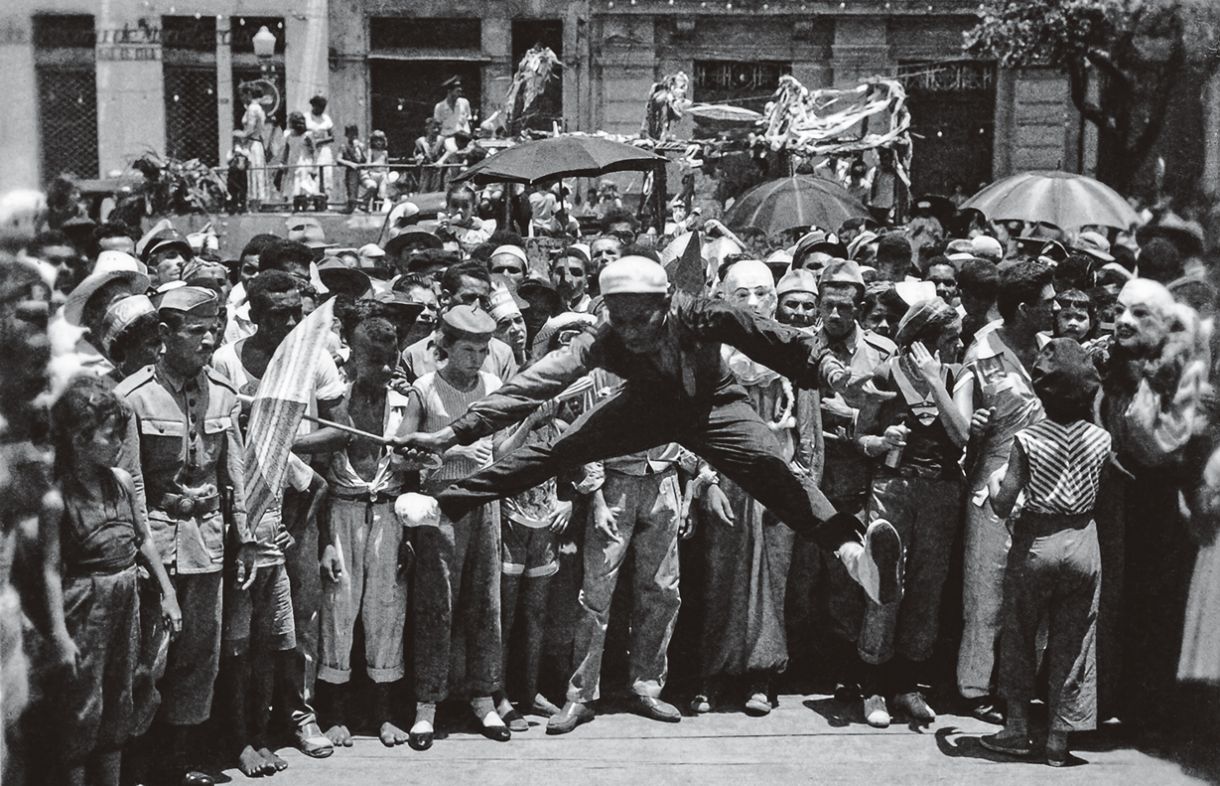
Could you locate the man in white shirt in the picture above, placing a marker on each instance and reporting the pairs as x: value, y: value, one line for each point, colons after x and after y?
x: 453, y: 113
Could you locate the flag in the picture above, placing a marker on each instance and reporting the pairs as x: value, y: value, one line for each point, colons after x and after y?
x: 686, y: 272
x: 283, y: 396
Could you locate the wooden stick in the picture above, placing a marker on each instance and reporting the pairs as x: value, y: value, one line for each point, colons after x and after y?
x: 331, y: 424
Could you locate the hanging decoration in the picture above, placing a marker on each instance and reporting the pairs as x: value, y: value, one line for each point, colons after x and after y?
x: 667, y: 101
x: 535, y: 70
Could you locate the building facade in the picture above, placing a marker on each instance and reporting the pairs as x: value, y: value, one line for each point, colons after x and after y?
x: 91, y: 86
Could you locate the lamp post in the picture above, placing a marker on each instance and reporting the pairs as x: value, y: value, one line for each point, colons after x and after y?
x: 264, y: 49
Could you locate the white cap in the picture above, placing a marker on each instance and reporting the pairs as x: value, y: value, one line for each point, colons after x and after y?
x: 371, y: 250
x: 633, y: 275
x: 987, y: 247
x: 515, y: 251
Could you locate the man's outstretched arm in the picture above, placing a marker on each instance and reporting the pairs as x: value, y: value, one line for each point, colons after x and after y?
x: 793, y: 353
x: 513, y: 402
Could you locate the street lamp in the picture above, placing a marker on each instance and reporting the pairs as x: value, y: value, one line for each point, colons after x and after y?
x: 264, y: 49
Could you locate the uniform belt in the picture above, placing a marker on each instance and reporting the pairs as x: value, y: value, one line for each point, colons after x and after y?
x: 184, y: 506
x: 370, y: 497
x: 84, y: 572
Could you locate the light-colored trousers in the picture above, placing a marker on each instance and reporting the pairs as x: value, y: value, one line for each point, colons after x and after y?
x: 367, y: 536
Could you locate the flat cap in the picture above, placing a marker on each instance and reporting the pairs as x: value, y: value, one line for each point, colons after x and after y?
x: 633, y: 275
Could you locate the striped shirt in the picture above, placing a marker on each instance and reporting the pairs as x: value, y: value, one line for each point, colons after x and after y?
x: 1065, y: 463
x: 442, y: 404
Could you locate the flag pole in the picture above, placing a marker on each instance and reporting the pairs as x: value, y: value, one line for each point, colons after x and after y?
x: 331, y: 424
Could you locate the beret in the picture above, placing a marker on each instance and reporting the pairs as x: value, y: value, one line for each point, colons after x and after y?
x: 467, y: 322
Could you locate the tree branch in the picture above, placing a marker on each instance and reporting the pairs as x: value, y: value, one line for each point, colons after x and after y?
x: 1156, y: 118
x: 1078, y: 84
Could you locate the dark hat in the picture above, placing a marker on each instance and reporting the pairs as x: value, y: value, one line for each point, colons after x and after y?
x: 1186, y: 235
x: 1063, y: 374
x: 401, y: 307
x: 467, y: 322
x: 200, y: 301
x: 818, y: 240
x: 453, y: 81
x: 842, y: 271
x: 409, y: 236
x: 540, y: 295
x: 341, y: 279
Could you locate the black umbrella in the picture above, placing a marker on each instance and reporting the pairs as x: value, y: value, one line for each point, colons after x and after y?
x: 571, y: 155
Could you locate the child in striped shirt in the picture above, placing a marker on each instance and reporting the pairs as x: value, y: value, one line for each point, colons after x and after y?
x: 1054, y: 566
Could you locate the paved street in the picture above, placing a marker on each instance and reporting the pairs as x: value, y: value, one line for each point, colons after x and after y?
x: 803, y: 741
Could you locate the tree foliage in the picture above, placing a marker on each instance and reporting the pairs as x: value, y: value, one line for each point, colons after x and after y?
x: 1139, y: 51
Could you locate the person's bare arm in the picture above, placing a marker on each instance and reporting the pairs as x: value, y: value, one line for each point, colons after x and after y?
x: 150, y: 558
x: 1004, y: 489
x: 929, y: 365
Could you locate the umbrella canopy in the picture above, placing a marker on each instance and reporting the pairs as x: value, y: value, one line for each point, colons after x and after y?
x: 1064, y: 199
x: 723, y: 114
x: 570, y: 155
x: 791, y: 202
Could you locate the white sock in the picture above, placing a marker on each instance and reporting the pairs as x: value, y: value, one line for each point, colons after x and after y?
x: 861, y: 569
x: 485, y: 710
x: 425, y: 715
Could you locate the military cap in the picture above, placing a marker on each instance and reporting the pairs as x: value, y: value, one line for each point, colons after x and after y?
x: 190, y: 300
x: 800, y: 280
x: 842, y: 271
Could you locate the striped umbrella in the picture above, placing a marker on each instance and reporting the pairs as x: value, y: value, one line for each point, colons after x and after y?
x: 792, y: 202
x: 1064, y: 199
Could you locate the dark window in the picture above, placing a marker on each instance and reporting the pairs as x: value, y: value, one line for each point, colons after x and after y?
x: 405, y: 93
x: 188, y: 34
x: 952, y: 109
x: 388, y: 32
x: 748, y: 84
x: 64, y: 31
x: 66, y: 74
x: 189, y: 73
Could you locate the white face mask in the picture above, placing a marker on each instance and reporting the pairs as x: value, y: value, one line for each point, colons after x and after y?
x: 749, y: 284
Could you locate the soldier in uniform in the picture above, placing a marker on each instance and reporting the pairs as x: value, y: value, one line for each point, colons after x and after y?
x: 184, y: 450
x: 846, y: 474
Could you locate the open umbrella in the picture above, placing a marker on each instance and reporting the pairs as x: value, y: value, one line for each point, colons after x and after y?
x: 723, y: 115
x: 570, y: 155
x: 1064, y: 199
x: 791, y: 202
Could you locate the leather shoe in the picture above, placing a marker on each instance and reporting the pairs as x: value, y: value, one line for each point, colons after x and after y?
x: 497, y: 733
x: 572, y: 715
x: 654, y: 708
x: 420, y: 740
x: 312, y: 742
